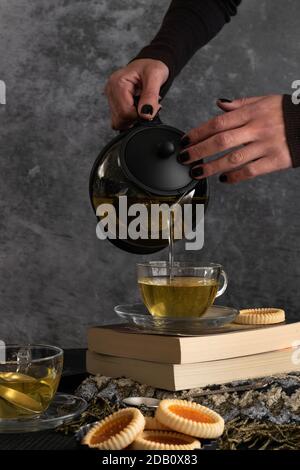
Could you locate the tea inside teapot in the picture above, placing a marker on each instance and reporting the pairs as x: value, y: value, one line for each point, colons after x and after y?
x: 140, y: 167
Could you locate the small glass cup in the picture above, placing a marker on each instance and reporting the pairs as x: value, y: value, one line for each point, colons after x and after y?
x: 29, y: 377
x: 183, y: 290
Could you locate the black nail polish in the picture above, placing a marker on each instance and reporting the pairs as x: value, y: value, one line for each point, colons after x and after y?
x: 198, y: 171
x: 185, y: 141
x: 223, y: 178
x: 147, y: 109
x: 183, y: 157
x: 224, y: 100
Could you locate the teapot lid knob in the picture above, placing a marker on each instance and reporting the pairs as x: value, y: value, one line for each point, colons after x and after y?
x: 166, y: 149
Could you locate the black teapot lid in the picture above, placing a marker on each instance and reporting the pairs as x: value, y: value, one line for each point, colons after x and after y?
x: 149, y: 159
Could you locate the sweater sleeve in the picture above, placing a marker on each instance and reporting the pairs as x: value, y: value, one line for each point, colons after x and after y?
x: 291, y: 115
x: 187, y: 26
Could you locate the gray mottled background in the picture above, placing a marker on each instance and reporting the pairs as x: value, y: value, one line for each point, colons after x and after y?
x: 56, y: 278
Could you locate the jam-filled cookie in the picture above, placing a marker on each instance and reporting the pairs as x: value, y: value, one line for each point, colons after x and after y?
x: 117, y: 431
x: 190, y: 418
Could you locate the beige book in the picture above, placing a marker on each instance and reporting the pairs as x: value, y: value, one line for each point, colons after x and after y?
x: 199, y: 374
x: 231, y: 341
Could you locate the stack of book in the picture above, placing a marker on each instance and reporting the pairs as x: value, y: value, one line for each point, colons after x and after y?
x: 177, y: 363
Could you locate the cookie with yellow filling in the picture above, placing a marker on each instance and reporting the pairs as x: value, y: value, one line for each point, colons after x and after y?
x: 190, y: 418
x: 117, y: 431
x: 260, y: 316
x: 164, y: 440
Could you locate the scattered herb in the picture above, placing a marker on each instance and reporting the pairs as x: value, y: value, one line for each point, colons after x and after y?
x: 252, y: 434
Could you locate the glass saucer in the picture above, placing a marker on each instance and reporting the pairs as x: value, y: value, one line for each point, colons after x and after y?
x: 63, y: 408
x: 137, y: 316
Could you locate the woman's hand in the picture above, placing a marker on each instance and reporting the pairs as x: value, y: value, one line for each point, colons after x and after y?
x: 142, y: 77
x: 251, y: 129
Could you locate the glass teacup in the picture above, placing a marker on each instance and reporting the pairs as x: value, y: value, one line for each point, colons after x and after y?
x: 186, y: 290
x: 29, y: 377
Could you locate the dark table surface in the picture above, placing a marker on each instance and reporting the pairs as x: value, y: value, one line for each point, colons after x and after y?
x: 280, y: 410
x: 74, y: 373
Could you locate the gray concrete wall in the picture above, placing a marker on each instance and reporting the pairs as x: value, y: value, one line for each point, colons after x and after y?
x: 56, y: 278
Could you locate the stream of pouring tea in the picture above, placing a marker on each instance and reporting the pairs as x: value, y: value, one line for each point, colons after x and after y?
x: 171, y: 244
x: 171, y: 234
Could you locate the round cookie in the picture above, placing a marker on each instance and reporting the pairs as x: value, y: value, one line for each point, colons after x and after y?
x: 260, y: 316
x: 117, y: 431
x: 190, y: 418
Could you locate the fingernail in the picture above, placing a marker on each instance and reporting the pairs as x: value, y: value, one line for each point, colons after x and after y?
x: 183, y: 157
x: 224, y: 100
x: 196, y: 171
x: 185, y: 141
x: 147, y: 109
x: 223, y: 178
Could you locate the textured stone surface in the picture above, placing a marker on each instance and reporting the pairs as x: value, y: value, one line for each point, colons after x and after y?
x: 56, y: 278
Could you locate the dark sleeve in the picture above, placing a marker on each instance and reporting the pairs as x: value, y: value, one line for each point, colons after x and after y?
x: 187, y: 26
x: 291, y: 114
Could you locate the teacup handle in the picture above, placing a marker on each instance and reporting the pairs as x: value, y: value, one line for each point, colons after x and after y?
x: 225, y: 284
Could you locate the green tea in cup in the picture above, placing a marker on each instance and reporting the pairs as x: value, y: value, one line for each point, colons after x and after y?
x: 185, y: 290
x: 29, y: 378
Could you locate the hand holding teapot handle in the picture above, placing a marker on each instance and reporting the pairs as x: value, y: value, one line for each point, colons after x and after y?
x: 143, y: 77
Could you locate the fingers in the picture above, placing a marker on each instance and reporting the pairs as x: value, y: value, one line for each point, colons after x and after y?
x: 220, y: 123
x: 122, y: 119
x: 262, y: 166
x: 149, y: 98
x: 230, y: 105
x: 120, y: 92
x: 253, y: 130
x: 229, y: 162
x: 217, y: 143
x: 142, y: 76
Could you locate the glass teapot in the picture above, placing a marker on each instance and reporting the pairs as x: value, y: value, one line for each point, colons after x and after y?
x: 141, y: 164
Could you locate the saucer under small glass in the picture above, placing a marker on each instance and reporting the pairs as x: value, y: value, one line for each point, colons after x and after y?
x: 137, y: 316
x: 63, y: 409
x: 29, y: 377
